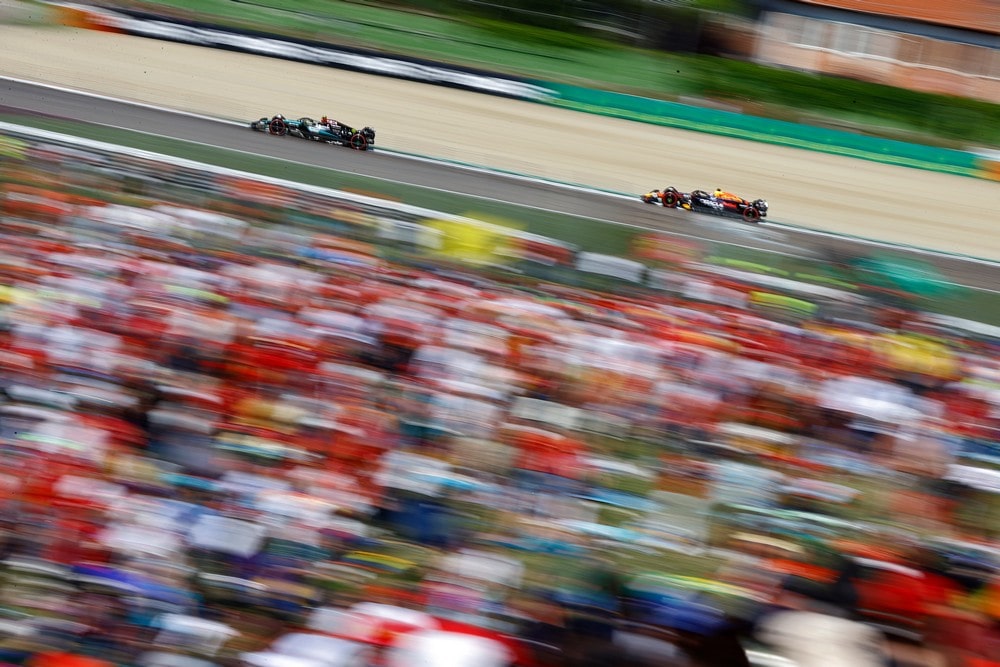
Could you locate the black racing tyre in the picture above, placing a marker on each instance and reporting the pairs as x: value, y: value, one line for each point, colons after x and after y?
x: 278, y: 127
x: 358, y: 142
x: 751, y: 214
x: 671, y: 199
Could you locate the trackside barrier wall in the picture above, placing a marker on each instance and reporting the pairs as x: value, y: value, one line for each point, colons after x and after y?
x: 630, y: 107
x: 782, y: 133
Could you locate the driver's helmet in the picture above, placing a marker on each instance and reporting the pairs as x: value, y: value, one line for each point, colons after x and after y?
x: 719, y: 192
x: 324, y: 120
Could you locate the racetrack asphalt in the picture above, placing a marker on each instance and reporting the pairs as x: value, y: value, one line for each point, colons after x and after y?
x: 23, y: 97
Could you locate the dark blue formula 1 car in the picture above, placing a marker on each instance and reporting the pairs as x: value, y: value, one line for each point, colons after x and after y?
x: 718, y: 203
x: 326, y: 130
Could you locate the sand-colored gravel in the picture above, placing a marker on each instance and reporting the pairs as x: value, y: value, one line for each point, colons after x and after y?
x: 927, y: 209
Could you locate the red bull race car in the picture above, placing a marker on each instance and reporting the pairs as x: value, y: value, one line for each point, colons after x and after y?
x: 719, y: 202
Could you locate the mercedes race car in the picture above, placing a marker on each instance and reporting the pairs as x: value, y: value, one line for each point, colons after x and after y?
x: 325, y: 130
x: 718, y: 203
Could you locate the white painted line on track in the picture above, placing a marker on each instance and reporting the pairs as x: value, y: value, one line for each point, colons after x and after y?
x: 927, y: 252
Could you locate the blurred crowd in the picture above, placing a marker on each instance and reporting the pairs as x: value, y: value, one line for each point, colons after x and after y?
x: 235, y: 444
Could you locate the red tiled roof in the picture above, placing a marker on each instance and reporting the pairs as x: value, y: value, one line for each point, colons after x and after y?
x: 979, y: 15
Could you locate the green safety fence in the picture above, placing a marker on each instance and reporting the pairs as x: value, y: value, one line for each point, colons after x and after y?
x: 783, y: 133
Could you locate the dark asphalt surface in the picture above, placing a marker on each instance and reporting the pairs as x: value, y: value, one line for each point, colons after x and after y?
x: 381, y: 163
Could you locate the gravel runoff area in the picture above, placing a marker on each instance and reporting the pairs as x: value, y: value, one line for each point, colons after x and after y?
x: 839, y: 194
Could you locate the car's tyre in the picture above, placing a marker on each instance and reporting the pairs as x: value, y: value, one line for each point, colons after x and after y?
x: 358, y: 142
x: 278, y: 127
x: 671, y: 199
x: 751, y: 214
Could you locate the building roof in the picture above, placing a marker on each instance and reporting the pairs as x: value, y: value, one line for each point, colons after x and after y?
x: 977, y: 15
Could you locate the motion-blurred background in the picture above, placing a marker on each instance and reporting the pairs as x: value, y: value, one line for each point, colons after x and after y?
x: 254, y: 422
